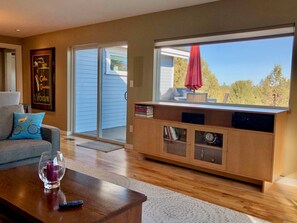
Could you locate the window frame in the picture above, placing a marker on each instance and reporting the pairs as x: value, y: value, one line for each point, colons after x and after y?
x: 211, y: 39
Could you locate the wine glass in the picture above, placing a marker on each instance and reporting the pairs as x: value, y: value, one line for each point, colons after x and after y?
x: 51, y: 169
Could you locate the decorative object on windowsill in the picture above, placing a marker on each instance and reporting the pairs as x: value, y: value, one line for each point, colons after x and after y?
x: 51, y: 169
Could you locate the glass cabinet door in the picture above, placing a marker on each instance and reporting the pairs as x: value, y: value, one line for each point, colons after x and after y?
x: 209, y: 148
x: 175, y: 142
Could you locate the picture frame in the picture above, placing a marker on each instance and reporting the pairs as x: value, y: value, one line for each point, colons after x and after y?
x: 43, y: 78
x: 116, y: 62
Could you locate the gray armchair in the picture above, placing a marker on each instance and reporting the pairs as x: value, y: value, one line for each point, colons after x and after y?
x: 22, y: 151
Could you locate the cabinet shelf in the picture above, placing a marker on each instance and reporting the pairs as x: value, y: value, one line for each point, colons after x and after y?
x: 208, y: 146
x: 174, y: 141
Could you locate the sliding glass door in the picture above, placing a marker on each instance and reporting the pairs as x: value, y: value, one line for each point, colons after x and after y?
x: 113, y: 92
x: 86, y: 91
x: 100, y: 89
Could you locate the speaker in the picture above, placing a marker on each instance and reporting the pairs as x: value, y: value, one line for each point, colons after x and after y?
x: 193, y: 118
x: 253, y: 121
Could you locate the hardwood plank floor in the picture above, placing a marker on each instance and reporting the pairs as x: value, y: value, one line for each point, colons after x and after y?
x: 278, y: 204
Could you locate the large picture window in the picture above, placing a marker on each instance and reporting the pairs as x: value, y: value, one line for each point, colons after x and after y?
x: 251, y: 68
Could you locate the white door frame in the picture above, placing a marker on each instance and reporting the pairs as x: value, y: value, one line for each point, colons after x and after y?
x: 71, y: 85
x: 18, y: 59
x: 99, y: 119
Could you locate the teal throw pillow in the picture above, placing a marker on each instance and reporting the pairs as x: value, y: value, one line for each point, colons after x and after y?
x: 27, y: 125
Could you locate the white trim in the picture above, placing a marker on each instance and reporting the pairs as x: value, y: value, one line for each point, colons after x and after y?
x: 175, y: 53
x: 233, y: 36
x: 70, y: 91
x: 65, y: 133
x: 156, y: 74
x: 128, y: 146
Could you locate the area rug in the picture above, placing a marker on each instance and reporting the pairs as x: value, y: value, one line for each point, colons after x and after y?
x: 101, y: 146
x: 166, y: 206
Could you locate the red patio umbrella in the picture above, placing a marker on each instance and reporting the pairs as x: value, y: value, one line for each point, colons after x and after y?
x: 194, y: 73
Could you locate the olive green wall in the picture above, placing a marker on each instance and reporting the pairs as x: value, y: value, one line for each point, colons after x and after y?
x: 140, y: 33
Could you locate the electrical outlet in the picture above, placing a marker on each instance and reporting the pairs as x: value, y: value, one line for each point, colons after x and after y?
x: 131, y: 128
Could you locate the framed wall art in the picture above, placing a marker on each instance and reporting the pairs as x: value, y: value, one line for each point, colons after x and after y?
x: 43, y: 79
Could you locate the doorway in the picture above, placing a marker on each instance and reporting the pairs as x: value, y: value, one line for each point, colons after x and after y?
x: 7, y: 70
x: 100, y: 92
x: 11, y: 68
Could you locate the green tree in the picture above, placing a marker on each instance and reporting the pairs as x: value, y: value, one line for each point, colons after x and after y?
x: 180, y: 71
x: 242, y: 92
x: 274, y: 88
x: 210, y: 81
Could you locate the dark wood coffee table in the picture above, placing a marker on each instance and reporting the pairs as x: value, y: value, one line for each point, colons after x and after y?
x: 22, y: 198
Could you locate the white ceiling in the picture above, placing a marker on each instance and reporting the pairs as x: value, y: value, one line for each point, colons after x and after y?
x: 34, y: 17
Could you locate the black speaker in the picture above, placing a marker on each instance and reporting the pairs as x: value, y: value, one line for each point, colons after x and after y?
x: 253, y: 121
x: 193, y: 118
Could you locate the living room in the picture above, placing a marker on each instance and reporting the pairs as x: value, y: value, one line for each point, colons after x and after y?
x: 141, y: 32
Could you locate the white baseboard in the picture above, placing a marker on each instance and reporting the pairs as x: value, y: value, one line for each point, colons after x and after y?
x: 128, y: 146
x: 65, y: 133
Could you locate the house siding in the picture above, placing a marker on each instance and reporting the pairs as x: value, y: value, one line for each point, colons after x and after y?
x: 86, y: 80
x: 114, y: 105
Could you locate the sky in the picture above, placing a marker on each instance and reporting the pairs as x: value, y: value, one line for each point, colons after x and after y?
x: 248, y: 60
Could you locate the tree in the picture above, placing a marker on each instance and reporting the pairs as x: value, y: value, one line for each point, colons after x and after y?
x: 242, y: 92
x: 210, y: 81
x: 275, y: 88
x: 180, y: 71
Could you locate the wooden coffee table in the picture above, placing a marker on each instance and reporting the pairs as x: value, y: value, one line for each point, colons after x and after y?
x: 22, y: 198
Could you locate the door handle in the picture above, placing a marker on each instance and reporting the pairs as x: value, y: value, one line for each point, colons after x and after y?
x: 125, y: 95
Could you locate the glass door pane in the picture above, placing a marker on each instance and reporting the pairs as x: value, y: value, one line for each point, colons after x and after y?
x: 208, y: 147
x: 175, y: 141
x: 86, y: 91
x: 113, y: 91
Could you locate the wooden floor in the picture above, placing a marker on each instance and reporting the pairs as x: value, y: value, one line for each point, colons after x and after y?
x: 279, y: 204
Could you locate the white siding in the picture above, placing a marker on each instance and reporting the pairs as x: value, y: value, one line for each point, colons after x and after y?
x: 86, y: 66
x: 166, y: 75
x: 114, y: 105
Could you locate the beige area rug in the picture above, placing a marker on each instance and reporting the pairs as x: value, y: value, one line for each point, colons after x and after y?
x: 165, y: 206
x: 100, y: 146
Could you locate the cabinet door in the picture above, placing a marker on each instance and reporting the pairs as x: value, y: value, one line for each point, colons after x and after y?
x: 175, y: 141
x: 147, y: 136
x: 209, y: 147
x: 250, y: 154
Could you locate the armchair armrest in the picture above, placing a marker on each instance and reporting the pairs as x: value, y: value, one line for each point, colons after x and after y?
x: 52, y: 135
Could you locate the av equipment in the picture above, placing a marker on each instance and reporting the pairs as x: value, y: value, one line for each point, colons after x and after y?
x: 193, y: 118
x: 252, y: 121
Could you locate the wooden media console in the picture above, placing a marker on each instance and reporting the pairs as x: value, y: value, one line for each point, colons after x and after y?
x: 250, y: 152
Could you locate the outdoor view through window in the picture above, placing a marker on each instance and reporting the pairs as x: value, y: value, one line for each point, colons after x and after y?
x: 250, y: 72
